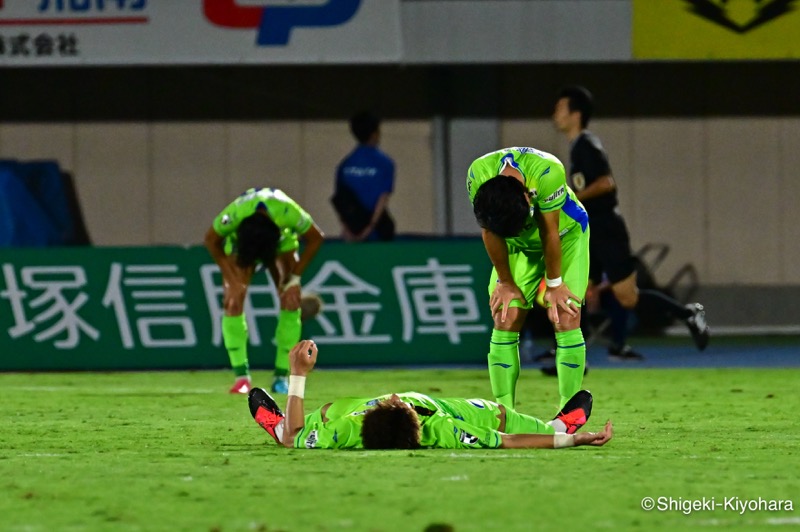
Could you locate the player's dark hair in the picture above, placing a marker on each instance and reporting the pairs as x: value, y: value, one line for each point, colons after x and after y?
x: 581, y: 100
x: 256, y: 240
x: 390, y: 425
x: 501, y: 206
x: 363, y: 125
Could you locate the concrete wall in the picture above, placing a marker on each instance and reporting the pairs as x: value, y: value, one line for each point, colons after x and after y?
x: 163, y: 183
x: 720, y: 191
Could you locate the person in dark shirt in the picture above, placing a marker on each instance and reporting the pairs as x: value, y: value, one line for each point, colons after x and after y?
x: 611, y: 260
x: 364, y: 183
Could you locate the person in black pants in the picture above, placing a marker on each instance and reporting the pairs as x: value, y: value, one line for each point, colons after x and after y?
x: 611, y: 260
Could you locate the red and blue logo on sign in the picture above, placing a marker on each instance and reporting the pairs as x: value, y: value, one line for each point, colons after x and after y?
x: 275, y: 23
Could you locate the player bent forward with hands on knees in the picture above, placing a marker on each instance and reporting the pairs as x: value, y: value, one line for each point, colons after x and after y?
x: 412, y: 420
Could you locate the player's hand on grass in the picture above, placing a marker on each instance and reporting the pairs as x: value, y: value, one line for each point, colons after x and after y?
x: 303, y: 357
x: 503, y: 294
x: 595, y: 438
x: 560, y: 298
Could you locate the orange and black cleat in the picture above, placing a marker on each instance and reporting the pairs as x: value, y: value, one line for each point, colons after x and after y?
x: 266, y: 412
x: 576, y: 412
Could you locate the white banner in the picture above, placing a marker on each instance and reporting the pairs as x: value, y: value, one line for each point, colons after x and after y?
x: 152, y: 32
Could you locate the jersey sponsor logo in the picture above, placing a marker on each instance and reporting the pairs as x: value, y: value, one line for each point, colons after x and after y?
x: 276, y: 22
x: 743, y: 18
x: 555, y: 195
x: 311, y: 441
x: 360, y: 171
x: 531, y: 150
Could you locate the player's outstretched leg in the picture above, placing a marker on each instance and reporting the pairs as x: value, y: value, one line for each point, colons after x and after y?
x: 575, y: 413
x: 266, y: 412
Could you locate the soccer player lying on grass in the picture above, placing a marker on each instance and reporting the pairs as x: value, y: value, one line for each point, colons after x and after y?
x: 413, y: 420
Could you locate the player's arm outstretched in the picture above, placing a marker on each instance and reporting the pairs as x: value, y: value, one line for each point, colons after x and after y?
x: 557, y: 441
x: 302, y: 359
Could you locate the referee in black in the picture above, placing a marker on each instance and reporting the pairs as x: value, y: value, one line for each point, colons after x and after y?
x: 611, y: 262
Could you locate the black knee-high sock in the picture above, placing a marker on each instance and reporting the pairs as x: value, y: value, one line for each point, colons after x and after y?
x: 620, y: 319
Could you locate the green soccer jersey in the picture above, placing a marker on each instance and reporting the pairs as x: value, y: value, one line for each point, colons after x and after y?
x: 290, y: 218
x: 546, y: 182
x: 445, y: 423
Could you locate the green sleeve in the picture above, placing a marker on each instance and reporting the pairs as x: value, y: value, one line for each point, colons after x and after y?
x: 341, y: 433
x: 479, y: 172
x: 552, y: 193
x: 287, y: 213
x: 231, y: 216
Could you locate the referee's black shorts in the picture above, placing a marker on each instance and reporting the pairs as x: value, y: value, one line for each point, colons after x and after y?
x: 609, y: 249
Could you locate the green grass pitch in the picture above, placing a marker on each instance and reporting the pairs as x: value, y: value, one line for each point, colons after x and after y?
x: 174, y: 451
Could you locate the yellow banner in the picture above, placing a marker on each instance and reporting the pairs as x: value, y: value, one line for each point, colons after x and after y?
x: 716, y: 29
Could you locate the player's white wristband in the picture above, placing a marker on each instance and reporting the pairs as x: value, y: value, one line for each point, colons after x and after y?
x: 552, y: 283
x: 297, y: 386
x: 294, y: 280
x: 560, y: 440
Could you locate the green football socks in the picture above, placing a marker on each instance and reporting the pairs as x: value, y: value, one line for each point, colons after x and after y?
x: 517, y: 423
x: 234, y: 335
x: 504, y: 366
x: 287, y: 334
x: 570, y: 362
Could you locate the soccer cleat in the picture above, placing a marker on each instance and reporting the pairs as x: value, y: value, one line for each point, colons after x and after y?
x: 242, y: 385
x: 576, y: 412
x: 697, y: 325
x: 280, y: 385
x: 266, y: 412
x: 624, y: 354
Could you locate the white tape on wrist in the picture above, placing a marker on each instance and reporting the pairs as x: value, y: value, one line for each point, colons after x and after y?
x: 552, y: 283
x: 294, y: 280
x: 560, y: 440
x: 297, y: 386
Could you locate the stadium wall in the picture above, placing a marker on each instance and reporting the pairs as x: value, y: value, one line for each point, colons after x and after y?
x: 694, y: 184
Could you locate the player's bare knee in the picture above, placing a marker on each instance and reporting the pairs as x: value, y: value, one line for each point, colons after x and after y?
x: 514, y: 321
x: 567, y: 322
x: 628, y: 299
x: 234, y: 305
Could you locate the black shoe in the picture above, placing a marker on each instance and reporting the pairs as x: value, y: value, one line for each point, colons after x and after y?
x: 697, y: 325
x: 552, y: 371
x: 576, y: 412
x: 548, y: 356
x: 266, y: 412
x: 624, y: 354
